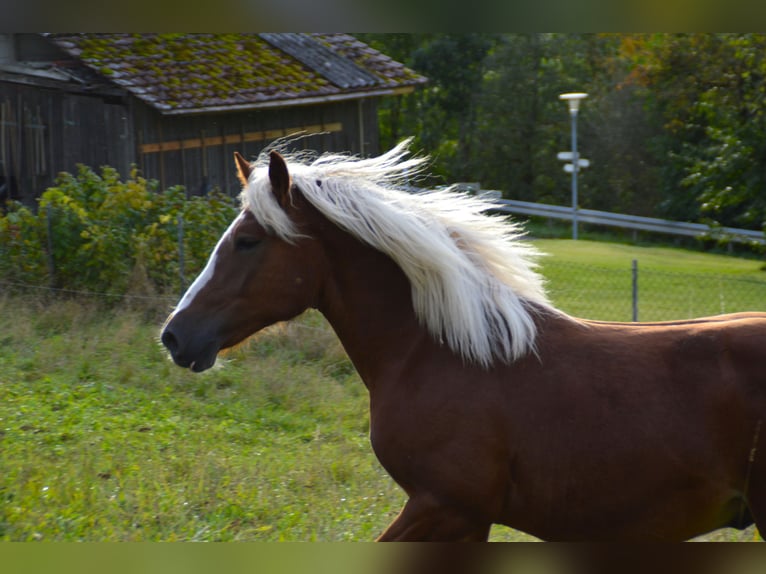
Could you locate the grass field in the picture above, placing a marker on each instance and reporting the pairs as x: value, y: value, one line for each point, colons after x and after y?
x: 665, y: 259
x: 594, y: 280
x: 103, y: 438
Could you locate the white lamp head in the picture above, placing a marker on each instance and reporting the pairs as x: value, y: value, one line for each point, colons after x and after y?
x: 573, y: 99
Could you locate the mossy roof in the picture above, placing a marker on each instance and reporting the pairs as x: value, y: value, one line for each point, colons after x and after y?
x: 194, y: 73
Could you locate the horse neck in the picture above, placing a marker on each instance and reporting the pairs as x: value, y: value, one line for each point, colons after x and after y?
x: 367, y: 299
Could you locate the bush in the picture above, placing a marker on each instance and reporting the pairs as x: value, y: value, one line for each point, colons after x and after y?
x: 22, y: 255
x: 94, y: 232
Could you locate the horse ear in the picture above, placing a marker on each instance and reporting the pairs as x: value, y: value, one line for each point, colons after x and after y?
x: 244, y: 169
x: 279, y: 177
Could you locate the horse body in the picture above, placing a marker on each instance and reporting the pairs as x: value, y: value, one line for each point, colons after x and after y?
x: 599, y: 431
x: 612, y: 454
x: 577, y: 442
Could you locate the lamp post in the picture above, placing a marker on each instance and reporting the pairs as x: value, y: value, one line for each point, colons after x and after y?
x: 573, y: 99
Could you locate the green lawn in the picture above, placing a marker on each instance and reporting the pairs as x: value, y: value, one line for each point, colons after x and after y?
x: 103, y: 438
x: 594, y: 280
x: 619, y: 256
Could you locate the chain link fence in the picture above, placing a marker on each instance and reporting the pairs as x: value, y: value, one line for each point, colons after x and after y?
x: 644, y: 294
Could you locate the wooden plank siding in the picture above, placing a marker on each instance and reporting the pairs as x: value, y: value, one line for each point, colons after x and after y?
x: 197, y: 151
x: 46, y: 131
x: 240, y: 138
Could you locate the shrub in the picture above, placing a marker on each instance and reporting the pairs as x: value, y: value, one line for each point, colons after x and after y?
x: 93, y: 231
x: 22, y: 255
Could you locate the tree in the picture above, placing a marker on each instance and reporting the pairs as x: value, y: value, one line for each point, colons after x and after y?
x: 523, y: 124
x: 710, y: 92
x: 673, y: 124
x: 398, y: 117
x: 441, y: 115
x: 619, y: 132
x: 455, y: 65
x: 727, y: 174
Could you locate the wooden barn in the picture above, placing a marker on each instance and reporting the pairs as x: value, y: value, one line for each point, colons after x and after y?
x: 179, y: 105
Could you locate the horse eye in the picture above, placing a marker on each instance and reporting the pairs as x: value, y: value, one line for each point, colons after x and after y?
x: 245, y: 243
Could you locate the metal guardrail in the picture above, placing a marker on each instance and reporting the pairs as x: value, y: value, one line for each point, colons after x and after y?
x: 630, y: 221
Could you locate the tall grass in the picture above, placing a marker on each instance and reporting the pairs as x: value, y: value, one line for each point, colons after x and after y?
x: 103, y: 438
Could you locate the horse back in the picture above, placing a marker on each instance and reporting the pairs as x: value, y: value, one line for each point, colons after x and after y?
x: 694, y: 356
x: 617, y: 419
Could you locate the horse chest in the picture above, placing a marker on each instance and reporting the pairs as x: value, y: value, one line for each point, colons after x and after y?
x: 445, y: 449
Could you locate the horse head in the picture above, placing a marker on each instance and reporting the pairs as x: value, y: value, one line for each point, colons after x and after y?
x: 253, y: 278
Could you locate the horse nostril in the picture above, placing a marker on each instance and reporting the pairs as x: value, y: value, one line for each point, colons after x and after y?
x: 169, y: 340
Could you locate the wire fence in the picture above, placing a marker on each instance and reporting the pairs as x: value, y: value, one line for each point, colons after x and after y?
x: 47, y: 275
x: 17, y: 287
x: 636, y: 293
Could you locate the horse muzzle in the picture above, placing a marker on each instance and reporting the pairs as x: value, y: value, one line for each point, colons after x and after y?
x: 190, y: 349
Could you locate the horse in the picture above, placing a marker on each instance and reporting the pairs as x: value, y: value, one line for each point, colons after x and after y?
x: 488, y: 405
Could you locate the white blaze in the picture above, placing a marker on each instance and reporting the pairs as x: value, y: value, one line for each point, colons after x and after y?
x: 207, y: 272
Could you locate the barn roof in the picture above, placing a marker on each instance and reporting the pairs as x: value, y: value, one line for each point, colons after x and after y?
x: 195, y: 73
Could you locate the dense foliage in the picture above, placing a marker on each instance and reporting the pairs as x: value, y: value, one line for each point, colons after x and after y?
x: 94, y: 232
x: 674, y: 124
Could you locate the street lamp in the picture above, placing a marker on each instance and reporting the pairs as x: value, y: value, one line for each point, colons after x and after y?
x: 573, y: 99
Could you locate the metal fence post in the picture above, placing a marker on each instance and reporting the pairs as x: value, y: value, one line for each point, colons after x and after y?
x: 634, y: 273
x: 51, y: 258
x: 181, y: 258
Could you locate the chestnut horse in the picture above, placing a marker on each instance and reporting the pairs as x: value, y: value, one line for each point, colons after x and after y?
x: 487, y: 404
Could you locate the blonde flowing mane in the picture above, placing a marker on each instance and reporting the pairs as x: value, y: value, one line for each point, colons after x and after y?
x: 474, y: 283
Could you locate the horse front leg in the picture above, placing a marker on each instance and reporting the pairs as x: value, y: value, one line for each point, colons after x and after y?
x: 423, y: 519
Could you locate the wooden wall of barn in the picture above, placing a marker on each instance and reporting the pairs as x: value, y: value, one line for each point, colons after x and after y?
x: 197, y: 151
x: 44, y: 131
